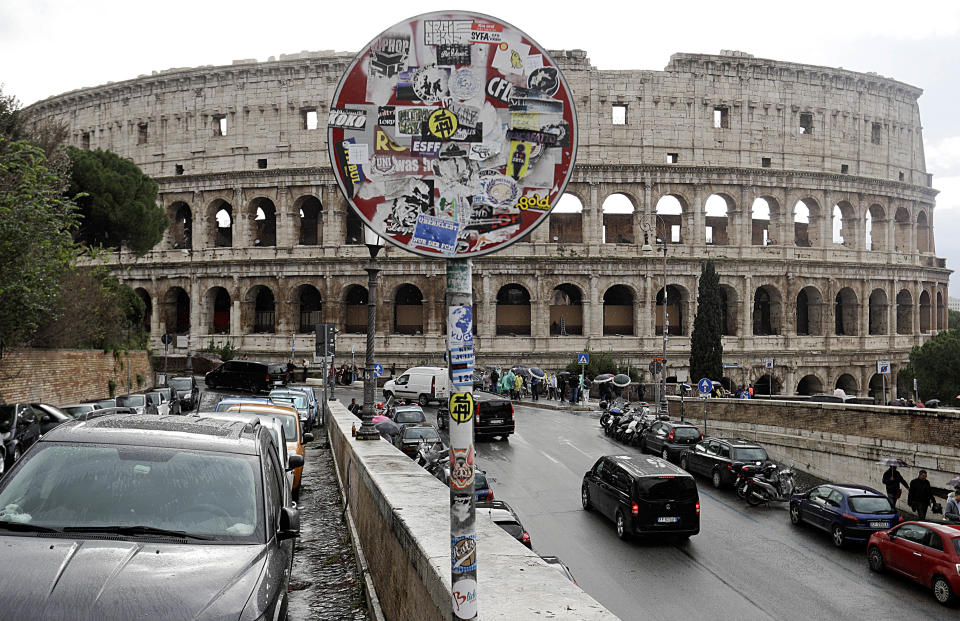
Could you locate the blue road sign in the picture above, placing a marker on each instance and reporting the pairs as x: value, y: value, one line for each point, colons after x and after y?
x: 377, y: 370
x: 731, y: 365
x: 583, y: 358
x: 705, y: 386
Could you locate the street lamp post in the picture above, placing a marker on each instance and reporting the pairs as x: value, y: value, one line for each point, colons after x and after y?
x: 646, y: 226
x: 374, y: 243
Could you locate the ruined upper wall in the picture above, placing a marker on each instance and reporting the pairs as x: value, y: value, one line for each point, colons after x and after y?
x: 860, y: 124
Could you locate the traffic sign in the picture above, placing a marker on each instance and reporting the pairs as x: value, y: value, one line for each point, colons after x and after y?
x: 705, y: 386
x: 377, y: 370
x: 583, y: 358
x: 731, y: 365
x: 883, y: 367
x: 166, y: 339
x: 768, y: 363
x: 655, y: 367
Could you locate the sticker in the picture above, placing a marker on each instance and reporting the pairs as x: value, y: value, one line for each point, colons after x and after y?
x: 486, y: 33
x: 353, y: 174
x: 483, y: 150
x: 388, y: 54
x: 347, y: 119
x: 466, y: 114
x: 453, y: 54
x: 519, y: 159
x: 464, y: 84
x: 394, y: 165
x: 430, y: 83
x: 532, y: 62
x: 561, y: 130
x: 384, y: 144
x: 358, y: 153
x: 452, y: 150
x: 509, y: 58
x: 534, y: 136
x: 497, y: 189
x: 437, y: 233
x: 540, y: 202
x: 463, y: 554
x: 410, y: 120
x: 460, y: 507
x: 461, y: 468
x: 442, y: 123
x: 386, y: 116
x: 404, y: 89
x: 461, y: 356
x: 500, y: 89
x: 460, y: 327
x: 461, y: 407
x: 425, y: 148
x: 545, y: 79
x: 464, y: 594
x: 404, y: 210
x: 524, y: 120
x: 446, y: 32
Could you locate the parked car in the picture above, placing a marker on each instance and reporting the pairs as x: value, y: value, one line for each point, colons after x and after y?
x: 50, y: 416
x: 138, y: 402
x: 159, y: 401
x: 172, y: 397
x: 312, y: 403
x: 288, y: 460
x: 408, y: 415
x: 92, y: 414
x: 720, y: 458
x: 410, y: 436
x: 669, y: 438
x: 506, y: 518
x: 225, y: 404
x: 19, y: 430
x: 847, y: 512
x: 187, y: 391
x: 106, y: 403
x: 560, y: 566
x: 76, y: 409
x: 643, y: 496
x: 925, y: 552
x: 134, y: 524
x: 492, y: 417
x: 423, y: 384
x: 295, y: 398
x: 247, y: 375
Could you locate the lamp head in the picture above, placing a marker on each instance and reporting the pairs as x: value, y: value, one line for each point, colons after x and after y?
x: 372, y: 241
x: 646, y: 247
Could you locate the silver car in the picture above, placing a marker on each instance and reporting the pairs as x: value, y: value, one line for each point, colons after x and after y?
x: 138, y: 402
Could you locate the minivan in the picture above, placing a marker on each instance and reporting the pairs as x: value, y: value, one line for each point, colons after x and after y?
x: 643, y: 496
x: 247, y: 375
x: 424, y: 384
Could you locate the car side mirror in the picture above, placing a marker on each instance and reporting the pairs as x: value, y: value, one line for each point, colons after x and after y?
x: 294, y: 461
x: 289, y: 524
x: 308, y: 437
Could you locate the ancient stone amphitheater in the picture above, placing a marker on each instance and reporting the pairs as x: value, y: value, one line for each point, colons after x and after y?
x: 806, y: 185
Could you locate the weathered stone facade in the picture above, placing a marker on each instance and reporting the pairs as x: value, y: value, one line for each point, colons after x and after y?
x: 244, y: 141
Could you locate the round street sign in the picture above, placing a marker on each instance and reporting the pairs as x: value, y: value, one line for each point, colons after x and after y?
x: 705, y: 386
x: 452, y: 134
x: 655, y: 367
x: 166, y: 339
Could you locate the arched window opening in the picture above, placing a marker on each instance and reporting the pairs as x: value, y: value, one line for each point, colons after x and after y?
x: 924, y: 312
x: 941, y: 312
x: 513, y: 311
x: 223, y: 214
x: 923, y: 233
x: 901, y: 231
x: 617, y: 220
x: 809, y: 385
x: 715, y: 221
x: 311, y: 225
x: 311, y: 308
x: 767, y: 385
x: 806, y: 216
x: 264, y: 310
x: 878, y: 312
x: 566, y: 221
x: 876, y: 228
x: 408, y: 310
x: 177, y: 315
x: 355, y: 310
x: 566, y: 311
x: 845, y: 313
x: 848, y: 384
x: 354, y: 229
x: 728, y: 310
x: 904, y: 312
x: 182, y: 226
x: 147, y: 306
x: 618, y: 311
x: 876, y: 388
x: 264, y: 223
x: 809, y: 312
x: 670, y: 222
x: 221, y: 311
x: 766, y: 311
x: 760, y: 223
x: 868, y: 231
x: 676, y: 302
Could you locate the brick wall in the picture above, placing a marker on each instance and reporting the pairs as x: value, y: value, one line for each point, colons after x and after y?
x: 62, y: 376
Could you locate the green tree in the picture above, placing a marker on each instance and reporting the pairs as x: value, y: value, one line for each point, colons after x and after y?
x: 953, y: 319
x: 36, y: 245
x: 706, y: 348
x: 935, y: 365
x: 118, y: 203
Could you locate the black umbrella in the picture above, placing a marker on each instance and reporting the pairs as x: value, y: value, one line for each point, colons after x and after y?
x: 603, y: 378
x: 567, y: 374
x: 892, y: 461
x: 932, y: 403
x: 621, y: 380
x: 537, y: 372
x: 387, y: 429
x: 519, y: 369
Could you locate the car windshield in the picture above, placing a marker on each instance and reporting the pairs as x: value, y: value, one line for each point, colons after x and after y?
x: 205, y: 494
x: 667, y: 488
x: 181, y: 383
x: 298, y: 401
x: 750, y: 454
x: 409, y: 416
x: 426, y: 433
x: 956, y: 545
x: 131, y: 401
x: 154, y: 398
x: 870, y: 504
x: 686, y: 433
x: 7, y: 413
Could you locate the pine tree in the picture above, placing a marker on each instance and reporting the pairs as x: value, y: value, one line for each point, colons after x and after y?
x: 706, y: 348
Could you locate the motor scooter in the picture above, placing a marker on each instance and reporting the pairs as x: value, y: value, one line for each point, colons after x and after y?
x: 770, y: 484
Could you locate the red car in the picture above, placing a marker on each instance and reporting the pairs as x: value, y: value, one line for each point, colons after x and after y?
x: 923, y: 551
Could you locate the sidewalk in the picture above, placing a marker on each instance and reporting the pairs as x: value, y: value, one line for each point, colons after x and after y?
x: 550, y: 404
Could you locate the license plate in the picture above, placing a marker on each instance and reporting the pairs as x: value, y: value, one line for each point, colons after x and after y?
x: 668, y: 520
x: 879, y: 524
x: 497, y: 421
x: 277, y: 382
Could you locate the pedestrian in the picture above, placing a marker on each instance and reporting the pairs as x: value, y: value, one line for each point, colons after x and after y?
x: 892, y: 479
x: 517, y: 385
x: 495, y: 381
x: 393, y: 369
x: 574, y: 390
x: 920, y: 495
x: 951, y: 511
x: 306, y: 369
x: 353, y: 407
x: 289, y: 371
x: 552, y: 386
x: 535, y: 388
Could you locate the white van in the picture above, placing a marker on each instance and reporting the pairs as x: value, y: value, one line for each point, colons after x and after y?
x: 423, y: 384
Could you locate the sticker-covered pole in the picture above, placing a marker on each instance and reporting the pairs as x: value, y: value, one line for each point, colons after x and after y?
x: 460, y: 356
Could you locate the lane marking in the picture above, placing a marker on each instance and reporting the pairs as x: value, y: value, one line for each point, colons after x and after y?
x: 577, y: 448
x: 548, y: 457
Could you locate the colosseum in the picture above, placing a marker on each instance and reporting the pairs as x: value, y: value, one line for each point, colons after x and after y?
x: 806, y: 185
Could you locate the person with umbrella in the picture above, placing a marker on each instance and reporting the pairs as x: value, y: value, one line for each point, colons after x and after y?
x: 536, y: 381
x: 920, y: 495
x: 892, y: 479
x: 951, y: 511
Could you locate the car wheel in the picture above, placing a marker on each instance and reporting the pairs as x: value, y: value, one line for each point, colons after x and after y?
x: 665, y: 455
x: 683, y: 463
x: 795, y: 515
x: 715, y: 479
x: 621, y: 526
x: 837, y: 535
x: 423, y: 400
x: 585, y: 498
x: 875, y: 559
x: 942, y: 591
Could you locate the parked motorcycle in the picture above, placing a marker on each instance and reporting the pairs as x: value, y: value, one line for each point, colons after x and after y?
x: 433, y: 457
x: 744, y: 472
x: 770, y: 484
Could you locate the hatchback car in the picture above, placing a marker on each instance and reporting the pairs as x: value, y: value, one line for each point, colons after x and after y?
x: 19, y: 429
x: 925, y: 552
x: 159, y: 401
x: 668, y: 439
x: 721, y: 458
x: 184, y: 518
x: 409, y: 438
x: 847, y: 512
x: 50, y: 416
x: 409, y: 415
x: 503, y: 515
x: 295, y: 398
x: 141, y: 403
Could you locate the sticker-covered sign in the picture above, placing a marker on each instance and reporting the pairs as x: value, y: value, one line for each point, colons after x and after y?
x: 452, y: 134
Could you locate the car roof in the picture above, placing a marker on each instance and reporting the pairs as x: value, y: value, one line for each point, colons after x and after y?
x: 267, y: 408
x: 948, y: 530
x: 738, y: 442
x: 647, y: 466
x: 162, y: 431
x: 850, y: 489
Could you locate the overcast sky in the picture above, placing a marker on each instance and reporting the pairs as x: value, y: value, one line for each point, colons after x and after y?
x: 48, y: 47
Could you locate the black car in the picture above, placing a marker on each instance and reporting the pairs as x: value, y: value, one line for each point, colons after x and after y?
x: 493, y: 417
x: 668, y: 438
x: 19, y: 429
x: 50, y: 416
x: 721, y: 458
x: 187, y: 391
x: 643, y: 496
x: 185, y: 518
x: 410, y: 437
x: 247, y: 375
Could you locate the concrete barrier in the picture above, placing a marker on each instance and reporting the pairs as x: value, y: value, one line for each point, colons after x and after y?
x: 402, y: 519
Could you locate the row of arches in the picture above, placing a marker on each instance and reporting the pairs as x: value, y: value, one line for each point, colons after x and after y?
x: 816, y: 383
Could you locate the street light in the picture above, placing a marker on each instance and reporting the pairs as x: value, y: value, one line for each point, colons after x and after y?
x: 646, y: 225
x: 374, y: 243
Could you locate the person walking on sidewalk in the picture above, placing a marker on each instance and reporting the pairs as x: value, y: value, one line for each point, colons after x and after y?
x: 517, y: 385
x: 535, y: 388
x: 552, y: 389
x: 920, y: 495
x: 892, y: 480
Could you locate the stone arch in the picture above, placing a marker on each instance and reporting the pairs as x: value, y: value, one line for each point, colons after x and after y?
x: 671, y: 209
x: 844, y: 227
x: 806, y: 223
x: 566, y: 220
x: 846, y: 310
x: 761, y: 213
x: 408, y: 310
x: 308, y: 216
x: 181, y: 225
x: 767, y: 385
x: 923, y: 233
x: 876, y: 388
x: 810, y: 385
x: 147, y: 307
x: 513, y: 310
x: 355, y: 299
x: 309, y: 308
x: 848, y: 384
x: 904, y: 312
x: 263, y: 318
x: 716, y: 222
x: 809, y: 311
x: 677, y: 303
x: 617, y: 211
x: 767, y: 311
x: 176, y: 310
x: 941, y: 312
x: 729, y: 307
x: 216, y: 310
x: 876, y: 228
x: 263, y: 229
x: 566, y: 310
x: 901, y: 230
x: 618, y: 301
x: 878, y: 312
x: 221, y: 217
x: 925, y: 319
x: 353, y: 228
